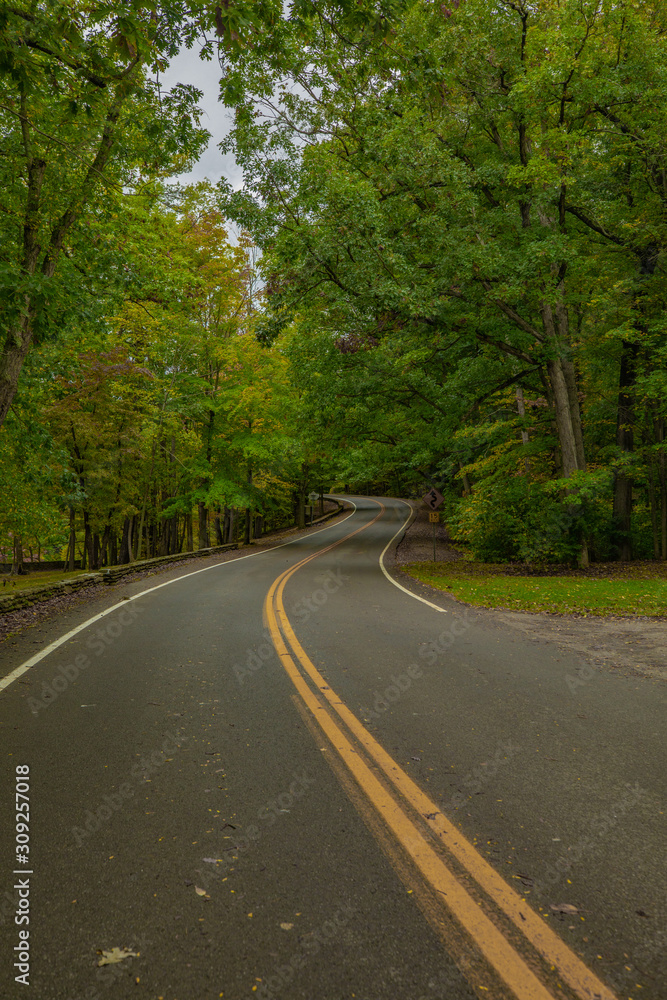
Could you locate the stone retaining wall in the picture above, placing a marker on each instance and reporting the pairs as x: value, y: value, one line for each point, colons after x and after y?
x: 111, y: 574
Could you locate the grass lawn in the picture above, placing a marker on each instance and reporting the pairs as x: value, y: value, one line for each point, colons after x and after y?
x: 36, y: 578
x: 492, y: 586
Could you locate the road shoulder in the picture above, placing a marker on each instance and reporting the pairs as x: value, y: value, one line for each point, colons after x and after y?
x: 635, y: 646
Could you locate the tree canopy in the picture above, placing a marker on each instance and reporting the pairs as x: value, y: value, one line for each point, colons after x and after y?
x: 456, y: 215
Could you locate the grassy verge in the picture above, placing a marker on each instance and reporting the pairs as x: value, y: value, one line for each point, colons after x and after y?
x: 489, y: 586
x: 8, y: 584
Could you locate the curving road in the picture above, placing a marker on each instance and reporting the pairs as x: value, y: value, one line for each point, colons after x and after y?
x: 283, y: 776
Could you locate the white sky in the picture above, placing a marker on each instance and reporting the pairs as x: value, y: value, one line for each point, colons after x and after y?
x: 187, y: 67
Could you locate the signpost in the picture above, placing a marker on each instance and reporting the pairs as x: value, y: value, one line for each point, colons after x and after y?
x: 433, y: 499
x: 312, y: 497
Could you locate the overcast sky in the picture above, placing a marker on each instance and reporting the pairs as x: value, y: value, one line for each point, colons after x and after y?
x: 189, y: 68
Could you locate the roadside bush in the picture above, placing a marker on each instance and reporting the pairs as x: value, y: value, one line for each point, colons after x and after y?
x: 513, y: 518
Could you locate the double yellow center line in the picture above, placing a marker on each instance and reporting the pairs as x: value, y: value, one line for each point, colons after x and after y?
x: 397, y: 806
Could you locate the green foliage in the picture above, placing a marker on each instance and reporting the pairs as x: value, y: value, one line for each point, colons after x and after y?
x: 460, y: 218
x: 639, y: 593
x: 82, y: 119
x: 453, y: 205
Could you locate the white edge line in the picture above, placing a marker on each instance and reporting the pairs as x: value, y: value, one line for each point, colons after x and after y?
x: 391, y: 579
x: 19, y: 671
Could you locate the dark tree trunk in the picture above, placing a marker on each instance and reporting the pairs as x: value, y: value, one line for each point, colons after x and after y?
x: 190, y: 539
x: 231, y: 526
x: 663, y: 491
x: 203, y: 525
x: 653, y: 506
x: 125, y: 555
x: 218, y: 527
x: 623, y: 480
x: 164, y: 538
x: 72, y: 540
x: 86, y: 558
x: 300, y: 510
x: 17, y: 556
x: 104, y: 559
x: 174, y: 546
x: 95, y: 563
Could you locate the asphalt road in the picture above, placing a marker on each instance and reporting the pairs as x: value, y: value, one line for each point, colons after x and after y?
x: 309, y: 785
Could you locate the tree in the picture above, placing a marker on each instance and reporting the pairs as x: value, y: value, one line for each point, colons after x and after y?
x: 423, y: 178
x: 81, y: 118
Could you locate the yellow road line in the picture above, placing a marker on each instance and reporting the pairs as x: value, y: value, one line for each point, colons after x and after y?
x: 552, y: 948
x: 492, y: 944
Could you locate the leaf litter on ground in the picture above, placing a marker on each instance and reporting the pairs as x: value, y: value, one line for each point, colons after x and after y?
x: 116, y: 955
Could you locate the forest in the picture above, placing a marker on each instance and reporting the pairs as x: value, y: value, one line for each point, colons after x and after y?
x: 444, y: 268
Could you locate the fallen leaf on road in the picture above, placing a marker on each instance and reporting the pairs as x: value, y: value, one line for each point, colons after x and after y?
x: 115, y: 955
x: 563, y: 908
x: 202, y: 892
x: 287, y: 927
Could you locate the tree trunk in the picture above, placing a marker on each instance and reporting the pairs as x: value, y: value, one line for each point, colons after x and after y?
x: 623, y: 480
x: 562, y: 381
x: 563, y: 386
x: 247, y: 534
x: 575, y: 411
x: 17, y: 556
x: 218, y: 527
x: 113, y: 548
x: 125, y: 554
x: 564, y: 428
x: 231, y: 526
x: 140, y: 533
x: 72, y: 540
x: 13, y: 355
x: 653, y: 505
x: 173, y: 545
x: 663, y: 490
x: 95, y: 562
x: 190, y: 540
x: 203, y: 525
x: 86, y: 560
x: 300, y: 511
x: 106, y: 534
